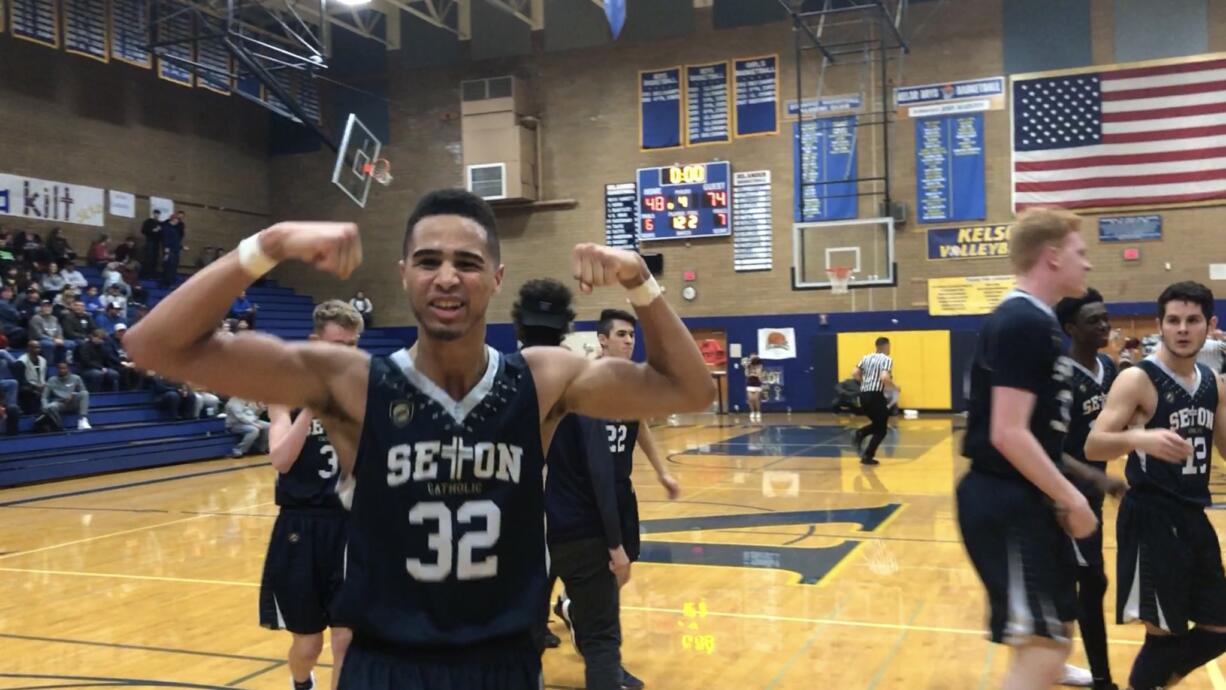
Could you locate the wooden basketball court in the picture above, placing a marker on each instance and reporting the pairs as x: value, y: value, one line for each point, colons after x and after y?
x: 784, y: 565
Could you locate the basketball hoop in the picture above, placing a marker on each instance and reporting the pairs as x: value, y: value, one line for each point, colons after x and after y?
x: 380, y: 171
x: 840, y: 279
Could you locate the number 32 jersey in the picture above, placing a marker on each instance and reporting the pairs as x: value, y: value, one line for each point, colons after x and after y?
x: 1190, y: 413
x: 311, y: 480
x: 447, y: 526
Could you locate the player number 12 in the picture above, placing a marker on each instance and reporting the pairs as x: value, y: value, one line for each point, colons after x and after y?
x: 1197, y: 458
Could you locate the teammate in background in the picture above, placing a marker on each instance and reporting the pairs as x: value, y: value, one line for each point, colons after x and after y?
x: 753, y: 389
x: 1169, y: 564
x: 1085, y: 321
x: 585, y: 544
x: 303, y: 569
x: 874, y: 372
x: 446, y: 561
x: 1019, y: 398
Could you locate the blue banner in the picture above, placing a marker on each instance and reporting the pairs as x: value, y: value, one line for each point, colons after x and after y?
x: 1129, y: 228
x: 36, y: 20
x: 949, y: 176
x: 660, y: 109
x: 824, y: 168
x: 951, y: 91
x: 86, y: 30
x: 130, y: 25
x: 821, y: 106
x: 971, y: 242
x: 757, y: 95
x: 706, y: 100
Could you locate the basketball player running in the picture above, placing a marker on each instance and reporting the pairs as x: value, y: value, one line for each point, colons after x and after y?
x: 1170, y: 564
x: 1085, y: 321
x: 302, y: 571
x: 445, y: 570
x: 1019, y: 399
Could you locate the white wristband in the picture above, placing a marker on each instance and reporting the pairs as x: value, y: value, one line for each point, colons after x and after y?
x: 253, y: 259
x: 645, y: 293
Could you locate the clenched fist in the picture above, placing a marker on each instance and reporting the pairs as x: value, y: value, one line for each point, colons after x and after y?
x: 334, y: 248
x: 596, y: 265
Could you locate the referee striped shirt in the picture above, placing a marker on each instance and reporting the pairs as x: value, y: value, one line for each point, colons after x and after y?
x: 870, y: 369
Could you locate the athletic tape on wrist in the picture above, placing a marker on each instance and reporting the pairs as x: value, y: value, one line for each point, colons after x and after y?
x: 252, y: 258
x: 645, y: 293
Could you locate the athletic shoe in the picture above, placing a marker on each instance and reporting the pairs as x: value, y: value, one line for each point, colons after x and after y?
x: 1077, y: 677
x: 629, y: 682
x: 83, y: 424
x: 308, y: 684
x: 552, y: 641
x: 562, y: 608
x: 874, y: 461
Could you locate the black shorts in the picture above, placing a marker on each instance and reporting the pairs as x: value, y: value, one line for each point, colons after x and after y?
x: 1169, y: 564
x: 1089, y: 551
x: 303, y: 570
x: 628, y: 512
x: 373, y: 667
x: 1022, y: 555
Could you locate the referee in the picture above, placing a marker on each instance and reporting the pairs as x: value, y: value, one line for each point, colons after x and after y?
x: 873, y: 373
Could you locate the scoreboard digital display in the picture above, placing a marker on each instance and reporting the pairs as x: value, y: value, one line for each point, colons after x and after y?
x: 685, y: 201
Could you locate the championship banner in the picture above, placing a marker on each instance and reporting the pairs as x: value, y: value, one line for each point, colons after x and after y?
x: 660, y: 109
x: 757, y: 95
x: 61, y: 202
x: 951, y: 98
x: 967, y: 296
x: 969, y: 242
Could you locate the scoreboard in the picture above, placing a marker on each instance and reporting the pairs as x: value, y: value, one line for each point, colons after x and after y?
x: 685, y: 201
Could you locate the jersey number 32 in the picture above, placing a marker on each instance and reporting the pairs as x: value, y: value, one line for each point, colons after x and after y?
x: 447, y: 557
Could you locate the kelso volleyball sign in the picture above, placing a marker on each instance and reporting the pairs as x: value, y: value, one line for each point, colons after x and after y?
x: 970, y: 242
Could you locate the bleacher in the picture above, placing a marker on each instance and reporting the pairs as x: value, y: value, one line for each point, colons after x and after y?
x: 128, y: 431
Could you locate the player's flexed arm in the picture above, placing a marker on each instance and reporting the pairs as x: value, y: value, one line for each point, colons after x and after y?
x: 1133, y: 398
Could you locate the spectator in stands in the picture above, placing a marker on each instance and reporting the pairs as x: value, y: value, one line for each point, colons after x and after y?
x: 117, y: 358
x: 34, y: 253
x: 364, y: 307
x: 110, y: 319
x: 127, y: 251
x: 241, y: 326
x: 99, y: 254
x: 175, y: 399
x: 76, y: 323
x: 58, y: 247
x: 92, y: 362
x: 12, y: 324
x: 28, y: 304
x: 114, y: 297
x: 93, y: 302
x: 33, y: 377
x: 45, y: 327
x: 152, y: 230
x: 8, y: 385
x: 243, y: 309
x: 130, y: 272
x: 243, y: 417
x: 65, y: 392
x: 174, y: 231
x: 207, y: 403
x: 111, y: 275
x: 63, y: 301
x: 52, y: 282
x: 73, y: 277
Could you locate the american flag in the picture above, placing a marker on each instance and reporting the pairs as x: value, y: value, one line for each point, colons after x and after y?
x: 1126, y: 137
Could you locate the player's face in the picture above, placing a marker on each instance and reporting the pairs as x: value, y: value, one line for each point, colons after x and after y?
x: 1184, y: 328
x: 620, y: 340
x: 1071, y: 266
x: 337, y: 334
x: 449, y: 275
x: 1092, y: 326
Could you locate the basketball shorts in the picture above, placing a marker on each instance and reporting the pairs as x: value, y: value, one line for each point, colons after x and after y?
x: 371, y: 666
x: 1089, y: 551
x: 628, y: 511
x: 303, y: 570
x: 1169, y: 564
x: 1023, y: 557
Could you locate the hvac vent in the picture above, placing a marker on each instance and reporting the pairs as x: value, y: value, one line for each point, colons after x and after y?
x: 488, y: 181
x: 484, y: 89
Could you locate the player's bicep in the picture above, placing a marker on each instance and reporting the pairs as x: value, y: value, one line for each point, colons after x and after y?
x: 1122, y: 402
x: 612, y: 388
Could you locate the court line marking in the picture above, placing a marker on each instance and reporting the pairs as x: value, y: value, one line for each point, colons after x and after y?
x: 130, y: 531
x: 787, y: 665
x: 1215, y: 675
x: 127, y: 576
x: 894, y: 649
x: 138, y: 647
x: 128, y: 485
x: 256, y: 674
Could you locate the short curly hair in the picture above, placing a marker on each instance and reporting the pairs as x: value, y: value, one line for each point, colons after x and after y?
x: 534, y: 294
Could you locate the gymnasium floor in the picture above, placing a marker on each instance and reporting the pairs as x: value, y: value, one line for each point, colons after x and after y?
x: 785, y: 564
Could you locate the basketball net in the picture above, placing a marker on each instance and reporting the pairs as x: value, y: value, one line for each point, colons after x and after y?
x: 380, y: 171
x: 840, y: 279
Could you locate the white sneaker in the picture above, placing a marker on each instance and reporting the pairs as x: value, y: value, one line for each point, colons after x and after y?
x: 1077, y: 677
x: 83, y: 423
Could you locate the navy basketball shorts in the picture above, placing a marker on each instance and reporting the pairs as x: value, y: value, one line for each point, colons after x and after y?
x: 303, y: 570
x: 371, y: 666
x: 1169, y: 567
x: 1022, y: 555
x: 1089, y: 551
x: 628, y: 514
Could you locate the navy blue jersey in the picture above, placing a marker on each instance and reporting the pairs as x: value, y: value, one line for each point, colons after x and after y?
x: 1188, y: 411
x: 447, y: 528
x: 1089, y: 395
x: 311, y: 481
x: 622, y: 437
x: 580, y: 500
x: 1020, y: 346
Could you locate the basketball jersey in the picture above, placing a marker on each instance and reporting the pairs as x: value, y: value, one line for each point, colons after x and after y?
x: 1089, y: 395
x: 623, y: 436
x: 447, y: 528
x: 1190, y: 412
x: 311, y: 481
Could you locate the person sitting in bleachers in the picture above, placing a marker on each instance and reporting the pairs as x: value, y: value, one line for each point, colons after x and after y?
x: 76, y: 322
x: 33, y: 377
x: 47, y: 330
x: 364, y: 306
x: 99, y: 254
x: 92, y: 362
x: 63, y: 301
x: 8, y: 385
x: 34, y: 253
x: 73, y: 277
x: 173, y: 398
x: 111, y: 275
x: 243, y: 309
x: 65, y: 392
x: 243, y: 417
x: 58, y: 248
x: 92, y: 300
x: 12, y: 324
x: 110, y: 318
x: 127, y: 251
x: 117, y: 358
x: 52, y: 282
x: 207, y: 403
x: 27, y: 304
x: 114, y: 297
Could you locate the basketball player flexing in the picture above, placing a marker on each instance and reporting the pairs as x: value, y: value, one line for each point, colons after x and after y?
x: 446, y: 565
x: 1085, y: 321
x: 302, y: 571
x: 1164, y: 413
x: 1019, y: 399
